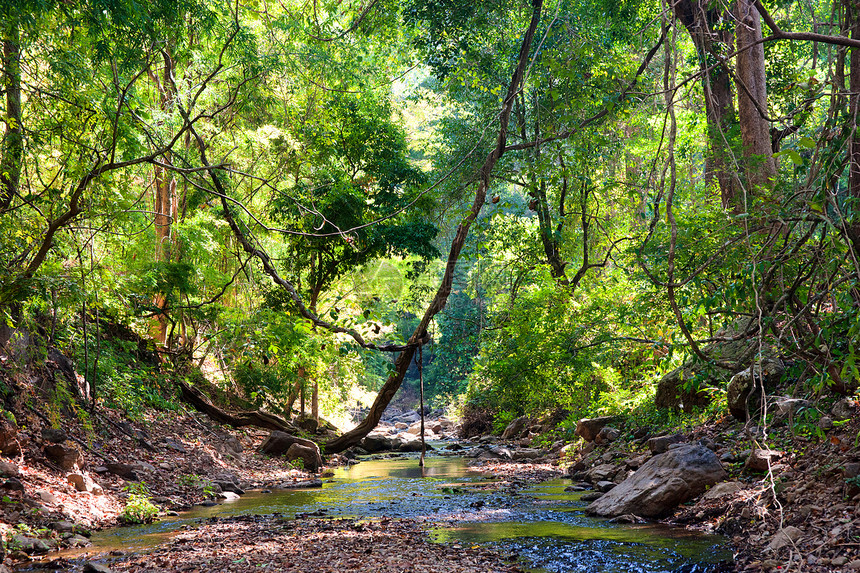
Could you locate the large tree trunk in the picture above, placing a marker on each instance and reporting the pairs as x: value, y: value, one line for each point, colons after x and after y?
x: 759, y: 163
x: 12, y: 151
x: 166, y: 203
x: 717, y: 88
x: 420, y: 335
x: 852, y: 16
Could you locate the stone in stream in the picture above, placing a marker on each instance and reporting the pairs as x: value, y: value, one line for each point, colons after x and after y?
x: 375, y: 443
x: 314, y: 483
x: 228, y: 482
x: 28, y: 545
x: 662, y: 483
x: 90, y: 567
x: 309, y: 457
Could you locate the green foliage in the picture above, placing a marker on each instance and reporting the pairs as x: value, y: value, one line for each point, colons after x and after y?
x: 139, y: 507
x: 197, y: 482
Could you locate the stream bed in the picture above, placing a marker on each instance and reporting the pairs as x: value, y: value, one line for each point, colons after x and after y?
x: 541, y: 525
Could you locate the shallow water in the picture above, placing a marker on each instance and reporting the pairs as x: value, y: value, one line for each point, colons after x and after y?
x: 542, y: 525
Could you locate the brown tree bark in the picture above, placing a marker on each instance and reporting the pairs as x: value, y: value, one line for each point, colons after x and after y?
x: 12, y: 151
x: 759, y: 163
x: 852, y: 16
x: 166, y: 203
x: 699, y: 21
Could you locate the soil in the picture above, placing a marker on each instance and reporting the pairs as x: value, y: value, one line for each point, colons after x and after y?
x: 807, y: 492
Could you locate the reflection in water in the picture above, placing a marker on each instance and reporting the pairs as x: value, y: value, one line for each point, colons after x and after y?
x: 544, y: 525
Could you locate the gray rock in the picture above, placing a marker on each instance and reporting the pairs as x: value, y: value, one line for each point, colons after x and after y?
x: 232, y: 443
x: 228, y: 496
x: 413, y: 446
x: 54, y: 435
x: 9, y: 469
x: 47, y: 496
x: 139, y: 465
x: 374, y: 444
x: 851, y: 470
x: 84, y: 483
x: 665, y: 481
x: 175, y: 446
x: 593, y: 496
x: 125, y: 471
x: 743, y: 384
x: 588, y: 428
x: 11, y: 441
x: 516, y: 428
x: 660, y: 444
x: 825, y: 423
x: 526, y: 454
x: 301, y: 484
x: 228, y: 483
x: 601, y: 473
x: 785, y: 536
x: 29, y: 545
x: 724, y: 488
x: 67, y: 457
x: 606, y: 435
x: 62, y: 526
x: 90, y: 567
x: 502, y: 452
x: 843, y: 409
x: 78, y: 541
x: 13, y: 484
x: 760, y: 460
x: 604, y: 486
x: 309, y: 456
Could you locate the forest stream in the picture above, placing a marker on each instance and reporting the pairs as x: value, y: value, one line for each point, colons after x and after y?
x: 541, y: 526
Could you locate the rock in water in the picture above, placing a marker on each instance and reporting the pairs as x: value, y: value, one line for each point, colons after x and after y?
x: 662, y: 483
x: 309, y: 457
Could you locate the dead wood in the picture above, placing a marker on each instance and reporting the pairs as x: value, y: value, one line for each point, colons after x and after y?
x: 257, y: 418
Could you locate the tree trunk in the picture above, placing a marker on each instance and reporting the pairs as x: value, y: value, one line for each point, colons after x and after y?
x: 166, y: 203
x: 12, y: 151
x: 759, y: 163
x: 717, y: 89
x: 852, y: 15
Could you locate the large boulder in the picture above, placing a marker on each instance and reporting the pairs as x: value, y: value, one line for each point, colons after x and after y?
x: 11, y: 441
x: 280, y: 443
x: 516, y: 428
x: 747, y: 383
x: 662, y: 483
x: 687, y: 386
x: 588, y: 428
x: 375, y: 443
x: 309, y: 456
x: 67, y: 457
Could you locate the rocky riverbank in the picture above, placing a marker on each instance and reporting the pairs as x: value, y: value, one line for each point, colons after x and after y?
x: 787, y: 500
